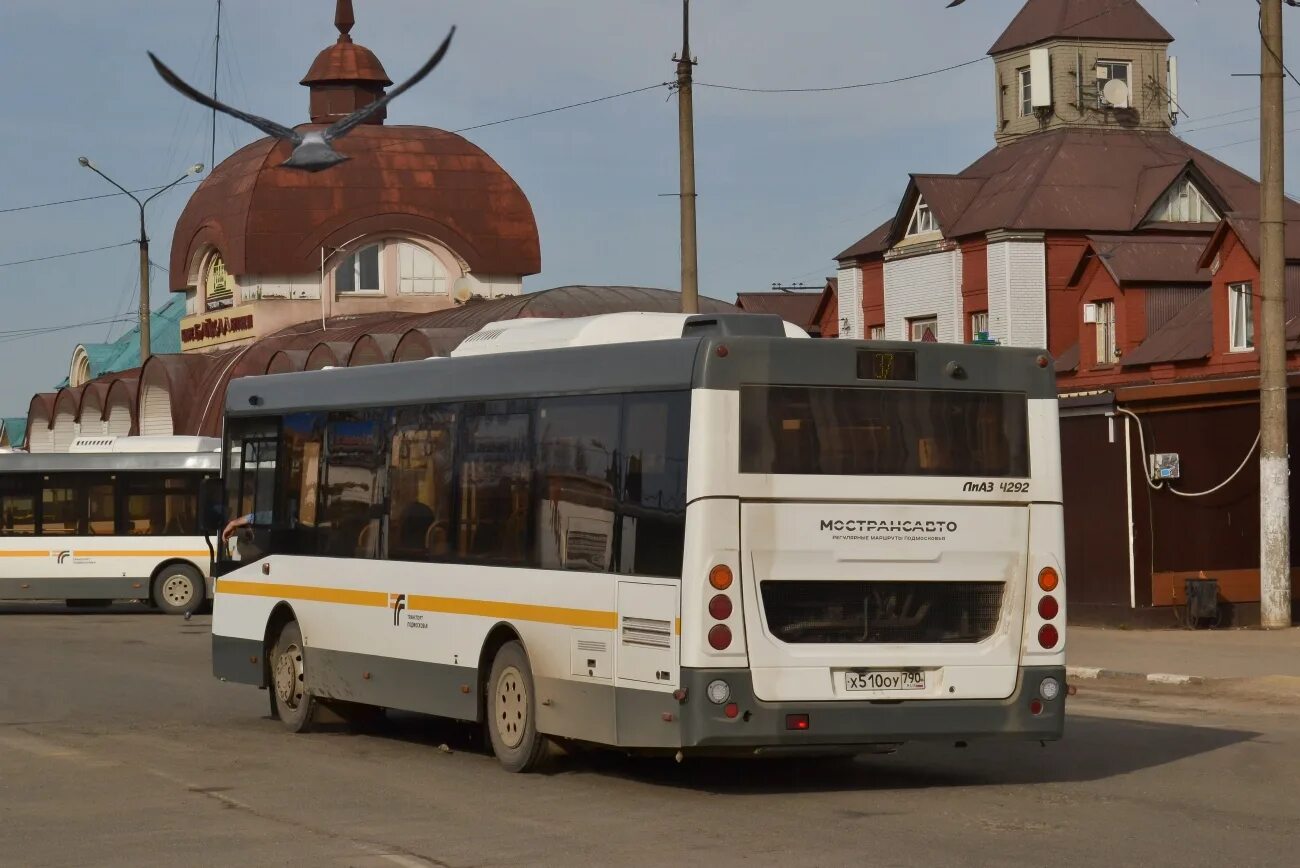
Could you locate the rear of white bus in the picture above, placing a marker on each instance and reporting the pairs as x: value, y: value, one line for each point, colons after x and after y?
x: 874, y: 547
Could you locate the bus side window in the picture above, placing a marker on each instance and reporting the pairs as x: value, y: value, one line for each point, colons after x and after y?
x: 496, y: 489
x: 420, y: 484
x: 652, y: 511
x: 58, y: 509
x: 100, y: 509
x: 354, y: 461
x: 17, y: 506
x: 577, y: 474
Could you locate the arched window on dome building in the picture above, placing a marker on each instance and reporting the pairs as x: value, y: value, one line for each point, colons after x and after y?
x: 396, y: 267
x: 218, y: 288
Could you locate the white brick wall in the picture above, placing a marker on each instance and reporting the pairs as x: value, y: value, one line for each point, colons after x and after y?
x: 921, y: 286
x: 1018, y: 293
x: 850, y: 302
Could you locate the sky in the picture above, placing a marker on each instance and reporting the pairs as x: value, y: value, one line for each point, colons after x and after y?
x: 786, y: 181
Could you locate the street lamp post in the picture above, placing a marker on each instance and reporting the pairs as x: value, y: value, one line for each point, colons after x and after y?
x: 143, y: 241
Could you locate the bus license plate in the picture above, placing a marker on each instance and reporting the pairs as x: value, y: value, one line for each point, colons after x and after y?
x: 885, y: 679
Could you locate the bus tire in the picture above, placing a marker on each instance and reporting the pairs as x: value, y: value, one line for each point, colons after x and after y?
x: 291, y: 703
x: 511, y: 718
x: 179, y: 589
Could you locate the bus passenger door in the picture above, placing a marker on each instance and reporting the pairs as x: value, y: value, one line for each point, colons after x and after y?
x: 647, y: 633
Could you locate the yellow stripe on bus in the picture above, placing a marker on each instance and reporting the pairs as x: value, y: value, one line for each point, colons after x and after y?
x: 514, y: 611
x: 43, y: 553
x: 304, y: 592
x: 142, y: 553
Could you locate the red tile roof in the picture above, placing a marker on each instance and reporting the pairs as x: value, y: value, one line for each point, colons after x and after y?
x: 1079, y: 180
x: 799, y: 308
x: 1041, y: 20
x: 1149, y: 258
x: 1186, y: 337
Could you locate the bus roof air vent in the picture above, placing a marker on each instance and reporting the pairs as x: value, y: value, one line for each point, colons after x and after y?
x: 519, y: 335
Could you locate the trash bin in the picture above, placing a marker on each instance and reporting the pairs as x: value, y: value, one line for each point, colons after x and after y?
x: 1202, y: 602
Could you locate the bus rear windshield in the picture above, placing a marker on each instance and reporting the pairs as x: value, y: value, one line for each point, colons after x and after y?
x: 851, y: 431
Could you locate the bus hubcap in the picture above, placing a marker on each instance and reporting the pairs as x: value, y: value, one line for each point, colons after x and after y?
x: 178, y: 591
x: 511, y: 707
x: 288, y: 676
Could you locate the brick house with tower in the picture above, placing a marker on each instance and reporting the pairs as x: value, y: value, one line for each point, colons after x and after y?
x: 1092, y: 230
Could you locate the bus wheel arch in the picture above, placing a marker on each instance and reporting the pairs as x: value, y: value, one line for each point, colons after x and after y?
x: 178, y: 587
x: 285, y: 673
x: 282, y: 614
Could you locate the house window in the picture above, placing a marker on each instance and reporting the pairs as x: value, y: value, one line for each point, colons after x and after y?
x: 979, y: 325
x: 359, y: 272
x: 217, y: 285
x: 1107, y: 351
x: 878, y: 333
x: 420, y: 272
x: 1183, y: 203
x: 1241, y: 317
x: 1112, y: 70
x: 923, y: 220
x: 924, y: 329
x: 1026, y: 80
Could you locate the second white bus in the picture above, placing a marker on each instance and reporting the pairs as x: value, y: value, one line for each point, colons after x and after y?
x: 659, y: 533
x: 112, y: 519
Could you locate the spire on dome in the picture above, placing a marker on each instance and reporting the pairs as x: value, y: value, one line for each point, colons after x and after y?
x: 345, y: 76
x: 344, y: 19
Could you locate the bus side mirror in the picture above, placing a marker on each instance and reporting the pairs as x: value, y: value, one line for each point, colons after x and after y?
x: 211, y: 514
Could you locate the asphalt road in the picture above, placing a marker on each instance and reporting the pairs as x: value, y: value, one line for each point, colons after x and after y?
x: 117, y: 748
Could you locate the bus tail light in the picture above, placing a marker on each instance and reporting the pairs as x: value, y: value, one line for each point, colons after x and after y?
x: 720, y: 607
x: 720, y: 637
x: 720, y: 577
x: 1048, y: 608
x: 1048, y: 579
x: 1048, y: 636
x: 796, y: 721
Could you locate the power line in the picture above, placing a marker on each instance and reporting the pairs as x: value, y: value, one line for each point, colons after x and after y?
x: 562, y: 108
x: 1244, y: 141
x: 88, y: 198
x: 69, y: 253
x: 839, y: 87
x: 35, y: 331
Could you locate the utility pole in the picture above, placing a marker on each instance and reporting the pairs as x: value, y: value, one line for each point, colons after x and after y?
x: 143, y: 242
x: 686, y: 137
x: 1274, y: 472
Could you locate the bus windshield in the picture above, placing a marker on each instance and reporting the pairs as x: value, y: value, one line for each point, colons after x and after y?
x: 856, y: 431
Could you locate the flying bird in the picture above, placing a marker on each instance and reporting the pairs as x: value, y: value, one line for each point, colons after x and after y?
x: 312, y: 151
x: 955, y: 3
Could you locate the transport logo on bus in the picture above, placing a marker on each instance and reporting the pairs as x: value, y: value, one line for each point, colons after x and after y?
x: 878, y: 530
x: 62, y: 556
x: 398, y: 604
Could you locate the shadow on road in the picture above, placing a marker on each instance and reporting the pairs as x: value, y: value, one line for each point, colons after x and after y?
x: 58, y: 607
x: 1095, y: 748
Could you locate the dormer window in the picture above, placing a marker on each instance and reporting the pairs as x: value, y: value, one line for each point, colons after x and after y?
x: 359, y: 272
x: 1183, y: 203
x: 923, y: 220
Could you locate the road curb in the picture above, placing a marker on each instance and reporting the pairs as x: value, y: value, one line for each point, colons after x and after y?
x: 1092, y: 673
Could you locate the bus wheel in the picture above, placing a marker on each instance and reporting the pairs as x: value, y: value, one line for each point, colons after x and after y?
x: 179, y: 590
x: 512, y: 711
x: 290, y: 701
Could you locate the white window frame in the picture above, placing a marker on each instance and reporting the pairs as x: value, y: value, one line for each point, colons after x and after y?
x: 1241, y: 305
x: 355, y: 256
x: 1107, y: 346
x: 917, y: 324
x: 979, y: 323
x: 1110, y: 65
x: 923, y: 221
x: 877, y: 333
x: 1025, y: 90
x: 411, y: 284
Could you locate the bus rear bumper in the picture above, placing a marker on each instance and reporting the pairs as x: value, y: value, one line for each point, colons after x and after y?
x: 863, y: 726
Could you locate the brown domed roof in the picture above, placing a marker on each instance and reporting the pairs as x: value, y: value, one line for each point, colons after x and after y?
x: 346, y: 61
x: 269, y: 220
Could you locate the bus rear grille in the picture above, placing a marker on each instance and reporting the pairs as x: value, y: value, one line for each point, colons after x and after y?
x: 882, y: 612
x: 647, y: 632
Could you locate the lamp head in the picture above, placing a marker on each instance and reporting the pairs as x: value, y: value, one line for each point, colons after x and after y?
x: 196, y: 169
x: 85, y: 161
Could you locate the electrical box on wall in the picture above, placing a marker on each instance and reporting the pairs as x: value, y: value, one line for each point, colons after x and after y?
x: 1089, y: 314
x: 1164, y: 465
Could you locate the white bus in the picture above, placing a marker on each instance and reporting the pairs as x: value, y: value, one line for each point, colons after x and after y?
x: 693, y: 535
x: 111, y: 519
